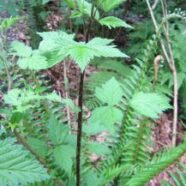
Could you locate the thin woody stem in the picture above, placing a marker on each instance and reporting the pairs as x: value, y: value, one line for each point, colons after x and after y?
x: 174, y: 74
x: 168, y: 54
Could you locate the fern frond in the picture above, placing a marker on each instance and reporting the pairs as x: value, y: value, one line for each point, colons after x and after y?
x: 136, y: 152
x: 159, y: 163
x: 17, y: 166
x: 134, y: 131
x: 130, y: 124
x: 114, y: 172
x: 119, y: 67
x: 177, y: 175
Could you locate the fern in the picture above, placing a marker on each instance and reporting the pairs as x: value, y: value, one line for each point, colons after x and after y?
x: 17, y: 166
x: 134, y: 153
x: 124, y: 106
x: 177, y: 175
x: 126, y: 128
x: 117, y: 66
x: 32, y: 123
x: 134, y: 132
x: 158, y: 164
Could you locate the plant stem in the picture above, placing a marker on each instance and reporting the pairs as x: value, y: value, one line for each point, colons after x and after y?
x: 155, y: 4
x: 168, y: 54
x: 175, y: 111
x: 80, y: 104
x: 66, y: 84
x: 174, y: 74
x: 79, y: 131
x: 8, y: 75
x: 158, y: 33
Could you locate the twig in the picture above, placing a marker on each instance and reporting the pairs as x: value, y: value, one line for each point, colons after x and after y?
x: 155, y: 4
x: 157, y: 32
x: 168, y: 54
x: 175, y: 111
x: 174, y: 73
x: 66, y: 91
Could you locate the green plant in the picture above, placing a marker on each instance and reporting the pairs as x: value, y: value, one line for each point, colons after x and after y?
x: 123, y: 100
x: 12, y: 10
x: 18, y: 166
x: 4, y: 62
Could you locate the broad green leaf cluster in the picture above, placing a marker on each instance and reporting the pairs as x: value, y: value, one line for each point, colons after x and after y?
x: 64, y: 145
x: 110, y: 94
x: 56, y: 46
x: 23, y: 99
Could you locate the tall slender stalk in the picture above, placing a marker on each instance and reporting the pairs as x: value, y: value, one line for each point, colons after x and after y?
x: 80, y: 104
x: 174, y: 74
x: 66, y: 85
x: 79, y: 132
x: 168, y: 54
x: 8, y: 74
